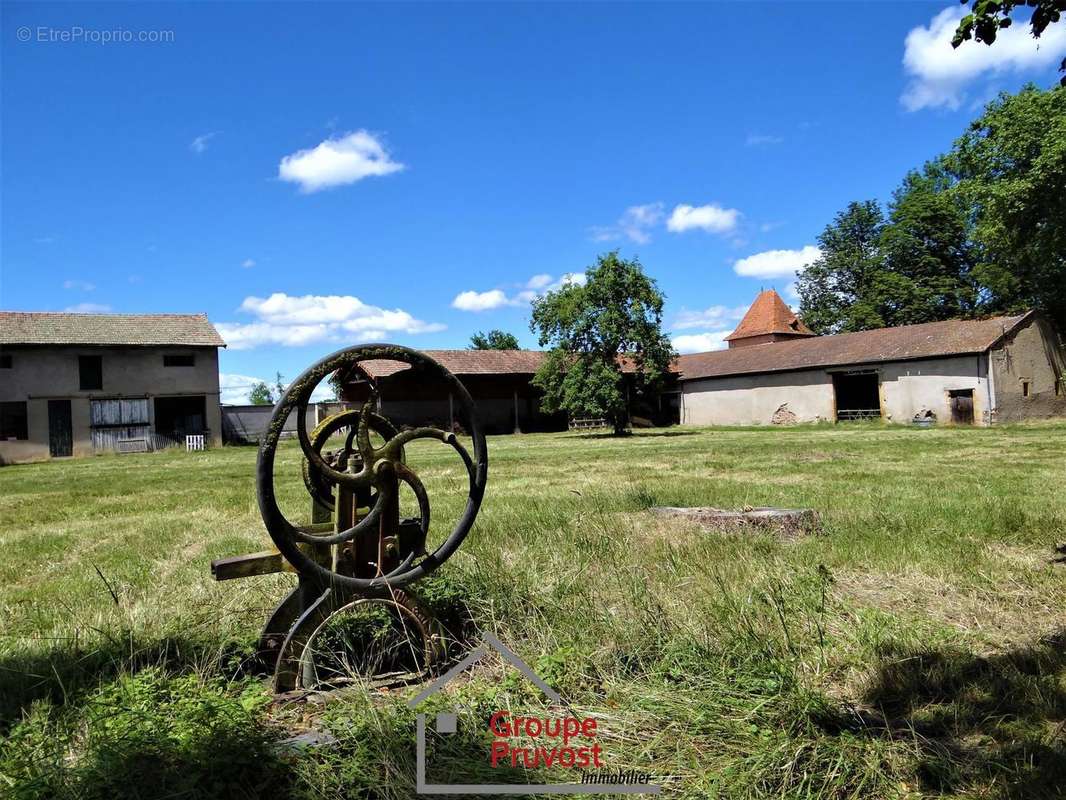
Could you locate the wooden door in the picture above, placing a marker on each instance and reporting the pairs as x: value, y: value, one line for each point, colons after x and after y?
x: 60, y: 433
x: 962, y: 407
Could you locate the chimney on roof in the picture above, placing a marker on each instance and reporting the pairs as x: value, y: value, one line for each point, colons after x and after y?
x: 768, y: 320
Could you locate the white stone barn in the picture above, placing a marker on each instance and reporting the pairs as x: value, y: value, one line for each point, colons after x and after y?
x: 966, y: 372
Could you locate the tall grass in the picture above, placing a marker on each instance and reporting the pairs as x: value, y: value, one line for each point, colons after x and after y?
x: 914, y: 648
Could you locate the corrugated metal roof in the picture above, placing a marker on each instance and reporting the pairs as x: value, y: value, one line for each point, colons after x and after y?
x: 769, y: 314
x: 59, y: 328
x: 929, y: 340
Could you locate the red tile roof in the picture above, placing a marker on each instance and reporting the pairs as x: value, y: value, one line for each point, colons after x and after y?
x: 930, y: 340
x: 59, y: 328
x: 769, y: 314
x: 468, y: 362
x: 478, y: 362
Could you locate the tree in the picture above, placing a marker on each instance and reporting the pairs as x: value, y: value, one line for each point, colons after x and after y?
x: 980, y: 230
x: 493, y: 340
x: 1010, y: 172
x: 913, y: 266
x: 988, y: 17
x: 838, y: 291
x: 260, y: 395
x: 928, y: 257
x: 591, y: 328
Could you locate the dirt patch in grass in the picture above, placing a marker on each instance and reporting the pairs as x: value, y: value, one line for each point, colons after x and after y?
x: 1012, y: 614
x: 1027, y: 557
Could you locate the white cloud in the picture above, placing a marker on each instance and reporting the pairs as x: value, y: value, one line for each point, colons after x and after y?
x: 83, y: 286
x: 234, y: 388
x: 717, y: 323
x: 293, y: 321
x: 88, y: 308
x: 480, y: 301
x: 569, y: 279
x: 701, y: 342
x: 939, y: 74
x: 712, y: 317
x: 759, y: 139
x: 337, y: 162
x: 634, y: 224
x: 776, y: 263
x: 248, y: 263
x: 199, y: 144
x: 535, y: 287
x: 711, y: 218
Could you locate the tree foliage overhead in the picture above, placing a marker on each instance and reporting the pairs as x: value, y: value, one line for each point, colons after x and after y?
x: 589, y: 328
x: 493, y: 340
x: 988, y: 17
x: 978, y: 231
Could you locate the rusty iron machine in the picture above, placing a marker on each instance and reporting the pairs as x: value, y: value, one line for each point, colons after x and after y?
x: 357, y: 551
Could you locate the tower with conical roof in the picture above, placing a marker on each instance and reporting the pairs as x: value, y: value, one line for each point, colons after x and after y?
x: 768, y: 320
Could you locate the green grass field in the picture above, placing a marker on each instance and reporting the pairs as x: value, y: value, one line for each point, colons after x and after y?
x: 916, y: 648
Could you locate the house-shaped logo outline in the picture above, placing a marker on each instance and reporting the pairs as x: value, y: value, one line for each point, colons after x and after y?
x: 490, y: 643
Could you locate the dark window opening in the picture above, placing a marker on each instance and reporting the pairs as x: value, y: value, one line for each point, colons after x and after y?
x: 183, y: 360
x: 13, y: 421
x: 1026, y: 389
x: 5, y: 361
x: 857, y: 396
x: 90, y: 373
x: 177, y: 417
x: 961, y: 406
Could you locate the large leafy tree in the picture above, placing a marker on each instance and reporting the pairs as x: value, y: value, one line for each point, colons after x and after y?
x: 493, y: 340
x: 591, y: 328
x: 1010, y: 173
x: 838, y: 292
x: 926, y: 251
x: 913, y: 265
x: 980, y: 230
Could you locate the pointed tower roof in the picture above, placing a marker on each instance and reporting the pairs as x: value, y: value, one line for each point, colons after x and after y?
x: 769, y: 315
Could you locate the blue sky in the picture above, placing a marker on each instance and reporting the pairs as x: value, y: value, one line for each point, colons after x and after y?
x: 312, y: 176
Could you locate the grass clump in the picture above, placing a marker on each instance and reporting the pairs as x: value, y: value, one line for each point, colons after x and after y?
x: 148, y: 735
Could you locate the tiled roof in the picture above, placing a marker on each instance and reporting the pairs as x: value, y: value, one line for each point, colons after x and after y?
x: 468, y: 362
x: 477, y: 362
x: 930, y: 340
x: 769, y: 314
x: 46, y: 327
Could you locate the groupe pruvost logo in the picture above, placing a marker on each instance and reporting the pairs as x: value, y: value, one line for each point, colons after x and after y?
x: 523, y: 741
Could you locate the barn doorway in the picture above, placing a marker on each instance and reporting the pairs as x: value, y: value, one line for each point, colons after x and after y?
x: 177, y: 417
x: 961, y: 406
x: 858, y: 395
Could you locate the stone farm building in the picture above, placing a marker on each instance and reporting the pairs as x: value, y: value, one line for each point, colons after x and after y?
x: 776, y: 370
x: 77, y: 384
x: 965, y: 372
x: 500, y: 381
